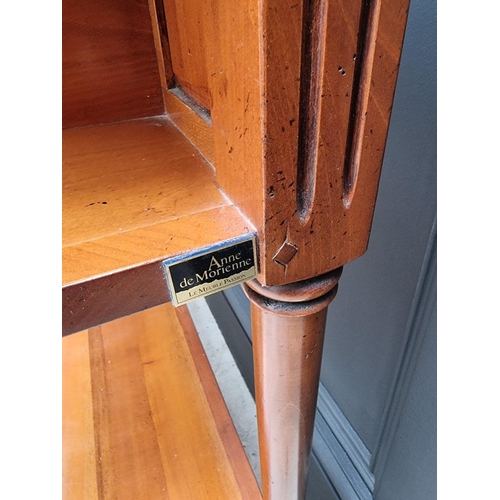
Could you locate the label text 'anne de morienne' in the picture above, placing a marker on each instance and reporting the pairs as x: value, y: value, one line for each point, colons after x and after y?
x: 218, y: 268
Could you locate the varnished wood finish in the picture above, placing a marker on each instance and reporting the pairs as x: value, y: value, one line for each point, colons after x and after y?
x: 193, y: 120
x: 162, y: 45
x: 125, y: 176
x: 337, y: 115
x: 233, y: 37
x: 186, y: 25
x: 287, y: 343
x: 301, y: 100
x: 243, y: 474
x: 134, y: 194
x: 109, y: 67
x: 143, y: 417
x: 79, y: 471
x: 301, y: 96
x: 302, y: 291
x: 193, y: 123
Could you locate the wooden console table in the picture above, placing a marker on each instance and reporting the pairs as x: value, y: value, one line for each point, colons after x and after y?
x: 188, y: 124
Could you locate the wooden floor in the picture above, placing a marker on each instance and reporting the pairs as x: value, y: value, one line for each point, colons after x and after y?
x: 143, y: 417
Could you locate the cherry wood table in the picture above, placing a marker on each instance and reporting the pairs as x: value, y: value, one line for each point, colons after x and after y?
x: 186, y: 125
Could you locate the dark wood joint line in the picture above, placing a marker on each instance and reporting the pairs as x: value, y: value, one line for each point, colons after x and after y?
x: 301, y: 291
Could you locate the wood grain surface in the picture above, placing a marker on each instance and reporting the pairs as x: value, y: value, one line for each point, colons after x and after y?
x: 109, y: 66
x: 143, y: 416
x: 130, y: 175
x: 288, y: 331
x: 134, y: 194
x: 236, y: 67
x: 186, y: 25
x: 79, y: 470
x: 193, y: 122
x: 187, y: 114
x: 301, y: 97
x: 328, y: 104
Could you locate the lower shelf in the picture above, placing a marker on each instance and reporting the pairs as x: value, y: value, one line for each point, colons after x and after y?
x: 143, y: 417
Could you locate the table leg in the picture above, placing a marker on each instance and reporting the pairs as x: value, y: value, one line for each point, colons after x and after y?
x: 288, y: 326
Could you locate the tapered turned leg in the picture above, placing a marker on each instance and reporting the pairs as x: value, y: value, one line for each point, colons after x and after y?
x: 288, y: 326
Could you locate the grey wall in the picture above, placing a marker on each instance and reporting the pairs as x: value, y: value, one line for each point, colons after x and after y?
x: 375, y: 436
x: 410, y: 471
x: 368, y: 320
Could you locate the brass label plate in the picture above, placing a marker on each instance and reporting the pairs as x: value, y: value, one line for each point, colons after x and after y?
x: 211, y: 270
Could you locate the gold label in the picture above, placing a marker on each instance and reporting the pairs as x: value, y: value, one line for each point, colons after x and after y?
x: 202, y: 273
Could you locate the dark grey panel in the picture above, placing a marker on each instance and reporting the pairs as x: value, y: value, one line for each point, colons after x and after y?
x: 410, y: 471
x: 337, y: 464
x: 367, y: 322
x: 335, y: 440
x: 319, y: 486
x: 421, y: 319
